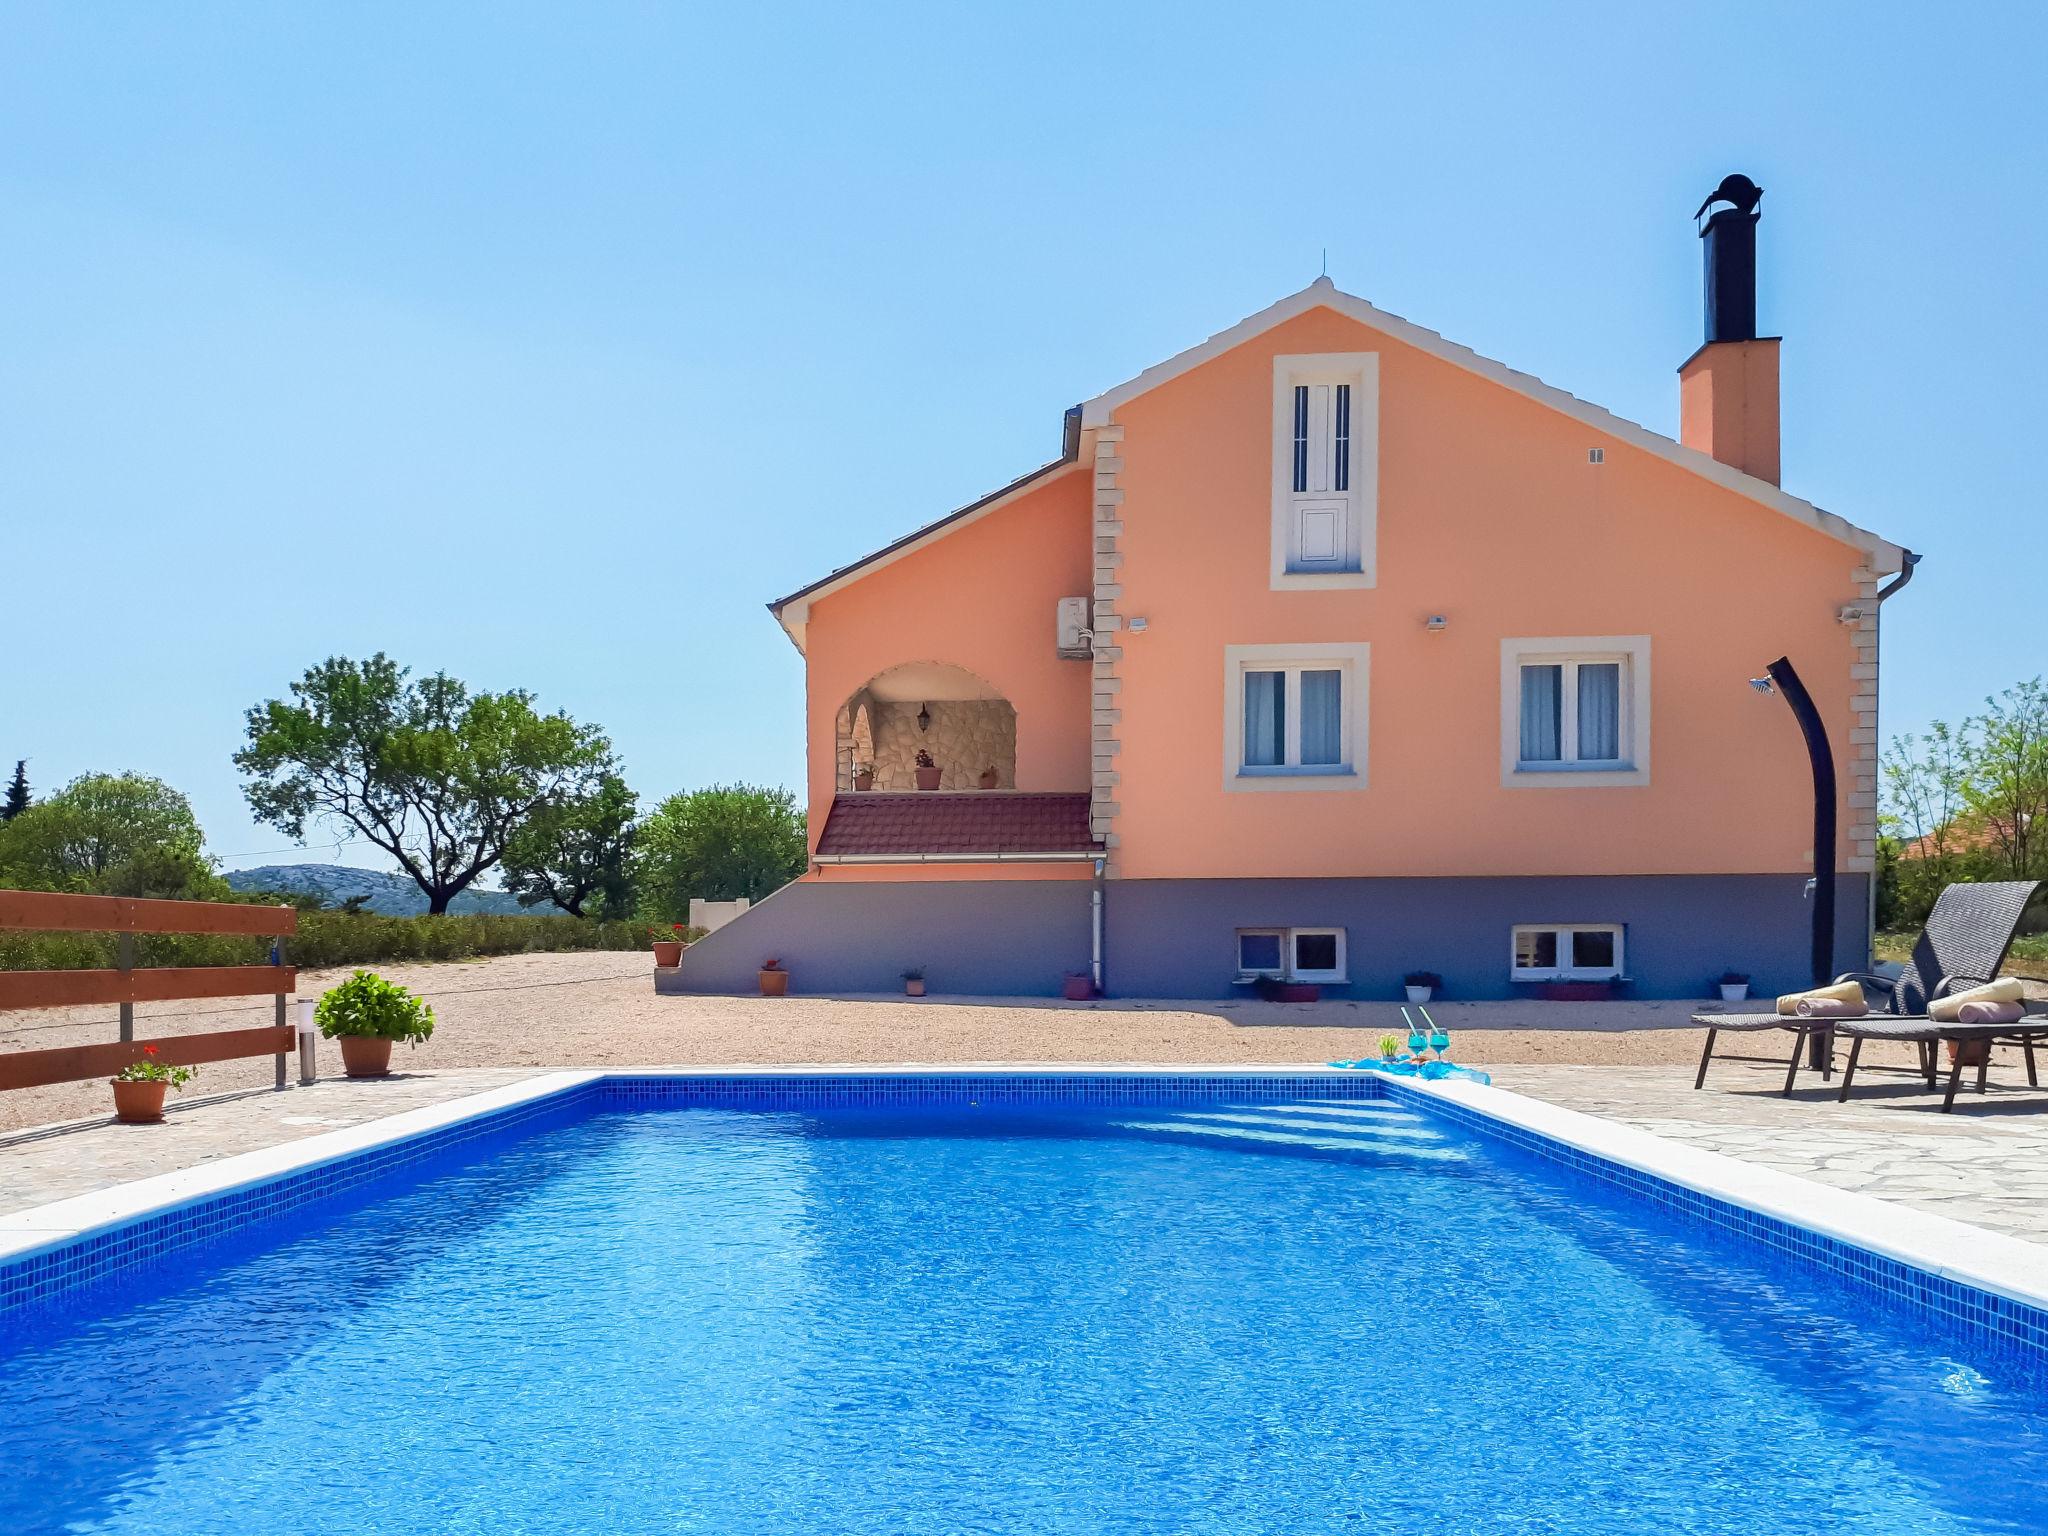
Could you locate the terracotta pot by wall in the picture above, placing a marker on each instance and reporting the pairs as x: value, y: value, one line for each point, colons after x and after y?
x: 138, y: 1103
x: 365, y: 1055
x: 928, y: 778
x: 774, y: 983
x: 668, y: 952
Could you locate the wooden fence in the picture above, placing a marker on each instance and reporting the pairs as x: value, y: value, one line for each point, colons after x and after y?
x: 125, y: 985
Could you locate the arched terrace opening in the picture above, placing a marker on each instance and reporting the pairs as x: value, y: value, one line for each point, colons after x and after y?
x: 965, y: 724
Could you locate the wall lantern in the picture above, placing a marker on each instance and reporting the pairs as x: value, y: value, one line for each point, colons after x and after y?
x: 924, y: 717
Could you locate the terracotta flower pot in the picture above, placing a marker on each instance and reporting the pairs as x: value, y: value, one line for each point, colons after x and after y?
x: 928, y: 778
x: 774, y: 983
x: 989, y: 778
x: 1078, y: 988
x: 863, y: 781
x: 365, y: 1055
x: 913, y: 989
x: 668, y: 952
x: 138, y: 1103
x: 1964, y: 1053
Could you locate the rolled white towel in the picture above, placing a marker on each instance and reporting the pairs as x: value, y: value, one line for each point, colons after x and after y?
x: 2004, y: 990
x: 1841, y: 992
x: 1990, y: 1013
x: 1830, y: 1008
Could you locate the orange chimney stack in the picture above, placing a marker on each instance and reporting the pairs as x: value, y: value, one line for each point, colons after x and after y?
x: 1728, y: 404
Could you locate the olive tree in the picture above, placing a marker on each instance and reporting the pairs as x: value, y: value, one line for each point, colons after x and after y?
x: 576, y: 853
x: 438, y: 777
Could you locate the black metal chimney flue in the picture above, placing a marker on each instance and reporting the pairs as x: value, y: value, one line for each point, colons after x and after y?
x: 1730, y: 250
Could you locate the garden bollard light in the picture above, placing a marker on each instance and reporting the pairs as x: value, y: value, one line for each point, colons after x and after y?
x: 307, y: 1035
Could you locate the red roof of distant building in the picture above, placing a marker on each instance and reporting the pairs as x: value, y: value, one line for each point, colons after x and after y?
x: 988, y: 822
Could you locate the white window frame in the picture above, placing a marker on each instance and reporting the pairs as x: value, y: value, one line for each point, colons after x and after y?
x: 1288, y: 971
x: 1360, y: 370
x: 1353, y: 660
x: 1565, y: 932
x: 1569, y: 651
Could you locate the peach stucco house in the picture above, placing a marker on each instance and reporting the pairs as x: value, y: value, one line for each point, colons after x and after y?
x: 1329, y: 650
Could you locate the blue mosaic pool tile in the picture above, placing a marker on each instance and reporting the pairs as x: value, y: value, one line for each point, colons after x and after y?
x: 95, y: 1255
x: 884, y: 1090
x: 1983, y: 1318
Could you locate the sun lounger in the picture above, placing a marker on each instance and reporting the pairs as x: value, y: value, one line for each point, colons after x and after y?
x: 1963, y: 945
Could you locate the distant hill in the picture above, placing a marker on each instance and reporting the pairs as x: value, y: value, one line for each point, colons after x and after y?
x: 390, y: 894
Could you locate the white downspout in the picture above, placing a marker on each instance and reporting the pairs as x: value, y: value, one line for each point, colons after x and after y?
x: 1095, y: 929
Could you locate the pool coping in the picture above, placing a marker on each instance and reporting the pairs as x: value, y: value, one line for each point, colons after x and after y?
x: 1951, y: 1252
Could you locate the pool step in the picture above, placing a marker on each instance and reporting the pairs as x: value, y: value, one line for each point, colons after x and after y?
x: 1379, y: 1130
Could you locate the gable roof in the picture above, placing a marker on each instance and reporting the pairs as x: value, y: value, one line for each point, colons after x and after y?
x: 792, y: 611
x: 1324, y: 294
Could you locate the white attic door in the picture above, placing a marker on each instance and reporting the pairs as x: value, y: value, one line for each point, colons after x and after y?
x: 1325, y: 463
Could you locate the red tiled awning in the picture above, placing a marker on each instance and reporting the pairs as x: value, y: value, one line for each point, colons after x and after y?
x: 992, y: 822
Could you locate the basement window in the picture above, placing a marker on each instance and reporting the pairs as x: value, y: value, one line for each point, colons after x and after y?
x: 1290, y: 954
x: 1567, y: 951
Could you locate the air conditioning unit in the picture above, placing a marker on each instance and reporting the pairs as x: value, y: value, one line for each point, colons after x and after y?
x: 1071, y: 632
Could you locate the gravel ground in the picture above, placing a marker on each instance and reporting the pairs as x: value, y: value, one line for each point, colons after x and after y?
x: 600, y: 1010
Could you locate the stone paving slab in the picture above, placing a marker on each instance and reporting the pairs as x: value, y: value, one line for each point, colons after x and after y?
x: 75, y: 1158
x: 1986, y: 1163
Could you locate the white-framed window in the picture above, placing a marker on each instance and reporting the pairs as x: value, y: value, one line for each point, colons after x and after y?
x: 1575, y: 711
x: 1567, y: 951
x: 1295, y: 716
x: 1325, y: 469
x: 1291, y: 954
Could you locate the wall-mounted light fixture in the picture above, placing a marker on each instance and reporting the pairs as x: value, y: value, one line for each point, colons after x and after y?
x: 1436, y: 622
x: 1138, y: 624
x: 924, y: 717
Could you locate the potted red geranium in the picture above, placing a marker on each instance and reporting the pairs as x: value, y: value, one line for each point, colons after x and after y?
x: 139, y: 1088
x: 774, y: 979
x: 668, y: 947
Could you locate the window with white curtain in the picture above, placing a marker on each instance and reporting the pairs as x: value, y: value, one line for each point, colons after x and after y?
x: 1575, y: 710
x: 1295, y: 713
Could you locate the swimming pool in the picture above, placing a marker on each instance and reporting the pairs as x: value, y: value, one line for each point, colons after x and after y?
x: 1012, y: 1305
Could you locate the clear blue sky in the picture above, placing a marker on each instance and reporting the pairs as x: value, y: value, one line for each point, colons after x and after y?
x: 545, y: 344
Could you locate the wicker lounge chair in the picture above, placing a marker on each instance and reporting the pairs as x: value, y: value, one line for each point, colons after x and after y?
x: 1963, y: 944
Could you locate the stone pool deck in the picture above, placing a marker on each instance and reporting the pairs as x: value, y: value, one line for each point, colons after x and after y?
x: 1986, y: 1164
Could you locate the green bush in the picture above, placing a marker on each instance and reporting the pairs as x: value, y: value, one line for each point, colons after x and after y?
x: 333, y: 938
x: 368, y: 1006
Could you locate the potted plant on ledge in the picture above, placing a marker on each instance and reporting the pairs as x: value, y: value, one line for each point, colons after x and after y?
x: 1734, y: 986
x: 668, y: 947
x: 1078, y: 986
x: 927, y: 771
x: 863, y: 776
x: 139, y: 1088
x: 774, y: 979
x: 368, y: 1015
x: 913, y: 982
x: 1421, y: 985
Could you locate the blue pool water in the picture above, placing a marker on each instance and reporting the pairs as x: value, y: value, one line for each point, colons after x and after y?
x: 1274, y: 1318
